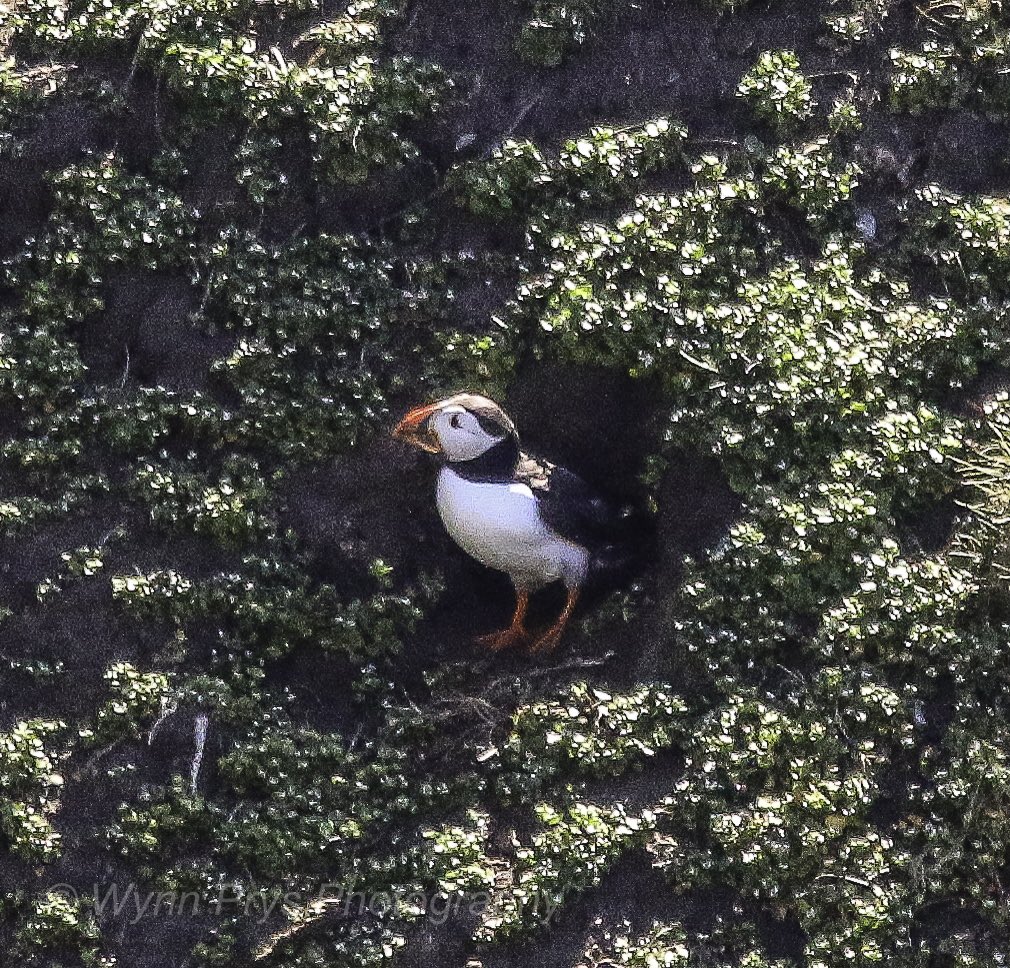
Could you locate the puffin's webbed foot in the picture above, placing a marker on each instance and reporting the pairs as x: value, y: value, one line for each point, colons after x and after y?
x: 495, y: 641
x: 549, y: 639
x: 515, y: 634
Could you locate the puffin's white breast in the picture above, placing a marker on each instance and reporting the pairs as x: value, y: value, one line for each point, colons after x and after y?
x: 499, y: 524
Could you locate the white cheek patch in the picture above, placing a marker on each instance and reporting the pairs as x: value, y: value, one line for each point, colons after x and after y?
x: 462, y: 445
x: 456, y: 442
x: 465, y: 442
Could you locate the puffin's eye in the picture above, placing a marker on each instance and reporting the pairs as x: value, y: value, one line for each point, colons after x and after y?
x: 455, y: 421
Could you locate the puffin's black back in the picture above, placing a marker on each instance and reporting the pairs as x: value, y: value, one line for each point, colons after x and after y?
x: 620, y: 540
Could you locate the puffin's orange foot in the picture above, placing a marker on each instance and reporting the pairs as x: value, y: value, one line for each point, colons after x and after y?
x: 503, y: 639
x: 515, y: 634
x: 548, y: 641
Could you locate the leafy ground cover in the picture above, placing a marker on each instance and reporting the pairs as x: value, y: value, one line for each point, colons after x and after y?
x: 743, y: 264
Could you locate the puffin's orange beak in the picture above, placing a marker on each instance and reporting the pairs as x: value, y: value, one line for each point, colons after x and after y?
x: 413, y: 429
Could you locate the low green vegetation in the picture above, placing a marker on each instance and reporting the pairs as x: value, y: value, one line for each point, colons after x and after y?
x: 584, y: 732
x: 56, y: 926
x: 777, y: 90
x: 29, y: 756
x: 959, y: 61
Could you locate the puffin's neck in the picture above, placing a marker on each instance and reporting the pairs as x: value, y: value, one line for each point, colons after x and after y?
x: 498, y: 463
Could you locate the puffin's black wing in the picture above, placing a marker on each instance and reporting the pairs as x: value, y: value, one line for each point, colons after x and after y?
x: 567, y: 504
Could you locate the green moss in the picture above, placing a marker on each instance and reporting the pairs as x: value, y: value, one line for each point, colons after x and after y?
x: 54, y: 925
x: 137, y: 697
x: 30, y: 754
x: 584, y: 732
x: 778, y: 92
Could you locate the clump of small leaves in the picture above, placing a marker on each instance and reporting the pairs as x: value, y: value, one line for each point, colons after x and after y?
x: 137, y: 697
x: 270, y: 608
x: 924, y: 79
x: 103, y: 218
x: 84, y: 562
x: 729, y: 940
x: 318, y: 938
x: 605, y: 164
x: 964, y: 802
x: 961, y: 62
x: 585, y: 731
x: 778, y: 91
x: 907, y: 611
x: 572, y: 852
x: 226, y: 508
x: 155, y: 831
x: 351, y: 104
x: 785, y: 799
x: 557, y: 28
x: 24, y: 91
x: 844, y: 117
x: 456, y: 854
x: 56, y: 925
x: 663, y: 945
x: 967, y: 238
x: 810, y: 178
x: 296, y: 808
x: 344, y: 297
x: 864, y: 18
x: 30, y: 754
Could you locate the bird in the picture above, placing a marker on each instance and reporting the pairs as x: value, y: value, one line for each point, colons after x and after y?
x: 528, y: 517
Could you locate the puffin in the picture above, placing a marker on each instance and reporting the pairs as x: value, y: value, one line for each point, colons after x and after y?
x: 537, y: 522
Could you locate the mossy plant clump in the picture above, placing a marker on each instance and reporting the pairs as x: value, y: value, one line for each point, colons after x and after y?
x: 29, y: 756
x: 572, y: 851
x: 959, y: 61
x: 319, y: 324
x: 302, y: 808
x: 585, y: 732
x: 555, y: 30
x: 137, y: 698
x: 267, y: 609
x: 671, y: 944
x: 222, y: 62
x: 226, y: 508
x: 778, y: 91
x: 55, y: 926
x: 602, y: 166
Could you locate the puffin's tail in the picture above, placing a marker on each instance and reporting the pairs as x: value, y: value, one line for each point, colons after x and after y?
x: 618, y: 562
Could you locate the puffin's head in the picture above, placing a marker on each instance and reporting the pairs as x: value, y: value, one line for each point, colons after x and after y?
x: 458, y: 428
